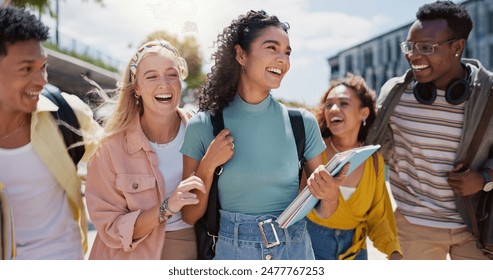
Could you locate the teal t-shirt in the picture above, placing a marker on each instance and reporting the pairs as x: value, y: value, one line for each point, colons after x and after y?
x: 262, y: 175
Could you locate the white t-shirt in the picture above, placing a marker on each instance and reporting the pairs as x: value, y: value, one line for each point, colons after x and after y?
x: 170, y: 164
x: 44, y: 226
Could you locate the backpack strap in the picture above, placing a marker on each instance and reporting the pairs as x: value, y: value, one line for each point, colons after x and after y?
x: 217, y: 121
x: 67, y: 115
x: 213, y: 206
x: 298, y: 128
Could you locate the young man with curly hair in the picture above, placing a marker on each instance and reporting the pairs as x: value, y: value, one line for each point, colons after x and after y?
x: 38, y: 175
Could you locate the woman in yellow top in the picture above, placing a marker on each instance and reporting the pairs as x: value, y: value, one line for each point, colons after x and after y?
x: 346, y: 113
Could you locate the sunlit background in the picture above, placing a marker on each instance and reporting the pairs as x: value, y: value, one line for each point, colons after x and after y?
x: 319, y: 29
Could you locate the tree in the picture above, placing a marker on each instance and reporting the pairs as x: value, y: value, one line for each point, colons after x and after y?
x: 189, y: 50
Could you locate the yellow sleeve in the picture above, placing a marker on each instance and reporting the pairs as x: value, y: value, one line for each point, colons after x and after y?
x: 381, y: 222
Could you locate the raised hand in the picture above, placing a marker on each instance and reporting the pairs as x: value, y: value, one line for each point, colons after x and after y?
x: 182, y: 195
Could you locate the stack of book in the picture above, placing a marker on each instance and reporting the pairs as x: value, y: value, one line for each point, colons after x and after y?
x: 305, y: 201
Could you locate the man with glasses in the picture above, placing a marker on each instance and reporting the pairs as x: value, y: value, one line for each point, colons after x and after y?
x: 426, y: 121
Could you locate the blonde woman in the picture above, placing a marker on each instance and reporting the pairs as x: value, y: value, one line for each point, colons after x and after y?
x: 134, y: 189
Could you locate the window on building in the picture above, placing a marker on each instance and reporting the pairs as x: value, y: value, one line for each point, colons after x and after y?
x: 491, y: 55
x: 373, y: 81
x: 490, y: 22
x: 398, y: 49
x: 389, y: 51
x: 349, y: 63
x: 367, y: 58
x: 334, y: 72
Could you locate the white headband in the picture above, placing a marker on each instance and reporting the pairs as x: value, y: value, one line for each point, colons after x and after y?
x: 155, y: 46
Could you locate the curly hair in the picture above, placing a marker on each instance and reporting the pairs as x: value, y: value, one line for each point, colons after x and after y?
x: 365, y: 94
x: 221, y: 84
x: 457, y: 17
x: 17, y: 25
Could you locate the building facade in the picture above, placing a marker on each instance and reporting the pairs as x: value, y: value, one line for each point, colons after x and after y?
x: 380, y: 58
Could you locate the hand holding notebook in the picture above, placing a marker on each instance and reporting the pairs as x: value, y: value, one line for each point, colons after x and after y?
x: 305, y: 201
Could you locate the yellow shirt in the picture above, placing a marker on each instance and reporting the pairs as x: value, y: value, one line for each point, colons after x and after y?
x: 47, y: 141
x: 7, y: 244
x: 368, y: 211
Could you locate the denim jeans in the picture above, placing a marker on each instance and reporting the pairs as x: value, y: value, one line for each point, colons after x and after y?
x: 240, y: 238
x: 329, y: 243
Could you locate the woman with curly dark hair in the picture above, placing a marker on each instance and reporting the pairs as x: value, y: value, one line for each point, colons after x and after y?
x: 346, y: 114
x: 260, y: 168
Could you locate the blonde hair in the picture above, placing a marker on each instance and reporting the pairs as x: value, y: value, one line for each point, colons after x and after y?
x: 126, y: 105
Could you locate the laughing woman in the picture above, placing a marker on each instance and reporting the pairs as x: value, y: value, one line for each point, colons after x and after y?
x: 260, y: 175
x: 347, y: 111
x: 134, y: 189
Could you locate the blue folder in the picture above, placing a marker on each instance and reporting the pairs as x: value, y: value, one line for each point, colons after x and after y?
x: 305, y: 201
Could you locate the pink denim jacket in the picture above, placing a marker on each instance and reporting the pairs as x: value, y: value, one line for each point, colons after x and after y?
x: 123, y: 179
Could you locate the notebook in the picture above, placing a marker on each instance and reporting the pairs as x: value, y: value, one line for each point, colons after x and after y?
x: 305, y: 201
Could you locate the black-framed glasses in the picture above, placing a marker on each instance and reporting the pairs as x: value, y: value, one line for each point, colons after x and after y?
x: 424, y: 48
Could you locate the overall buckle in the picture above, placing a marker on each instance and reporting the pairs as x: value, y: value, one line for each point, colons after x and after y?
x: 267, y: 244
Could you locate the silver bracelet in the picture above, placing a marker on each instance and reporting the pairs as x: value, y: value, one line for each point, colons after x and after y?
x: 163, y: 208
x: 162, y: 211
x: 166, y: 207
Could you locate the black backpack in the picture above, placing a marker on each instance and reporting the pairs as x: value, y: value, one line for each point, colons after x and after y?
x: 67, y: 115
x: 207, y: 227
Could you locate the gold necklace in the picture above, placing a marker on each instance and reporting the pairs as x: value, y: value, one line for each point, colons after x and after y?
x: 164, y: 145
x: 333, y: 147
x: 15, y: 130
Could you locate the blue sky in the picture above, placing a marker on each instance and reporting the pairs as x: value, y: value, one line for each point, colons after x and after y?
x: 319, y: 29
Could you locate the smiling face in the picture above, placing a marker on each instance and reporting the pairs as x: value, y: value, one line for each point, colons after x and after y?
x: 22, y: 76
x: 443, y: 65
x: 267, y: 61
x: 344, y: 112
x: 159, y: 83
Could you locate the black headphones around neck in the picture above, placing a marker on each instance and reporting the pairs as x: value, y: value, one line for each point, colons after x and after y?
x: 457, y: 91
